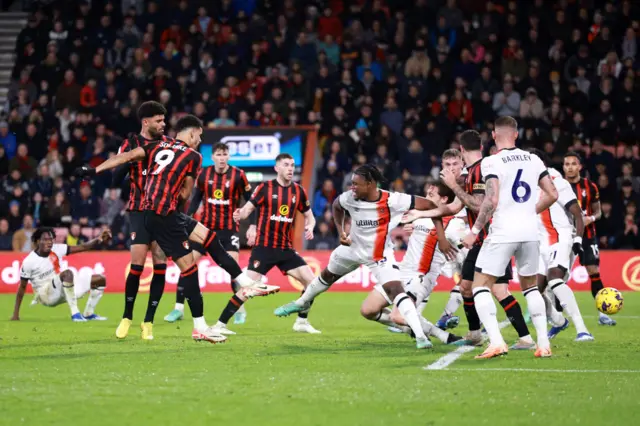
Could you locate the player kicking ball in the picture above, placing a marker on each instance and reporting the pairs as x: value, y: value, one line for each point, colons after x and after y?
x: 374, y: 213
x: 53, y: 286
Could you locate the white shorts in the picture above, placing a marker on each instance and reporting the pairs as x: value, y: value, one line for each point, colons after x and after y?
x: 494, y: 257
x: 558, y: 255
x: 421, y: 286
x: 51, y: 294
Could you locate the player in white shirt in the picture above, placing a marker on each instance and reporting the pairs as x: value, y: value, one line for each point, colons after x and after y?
x: 512, y: 178
x: 374, y: 213
x: 560, y: 241
x: 53, y: 285
x: 470, y: 194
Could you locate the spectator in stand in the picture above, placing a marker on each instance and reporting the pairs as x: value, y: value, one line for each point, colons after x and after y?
x: 58, y: 211
x: 85, y: 208
x: 22, y: 237
x: 23, y: 162
x: 68, y: 92
x: 4, y: 162
x: 322, y: 240
x: 507, y: 102
x: 628, y: 238
x: 111, y: 207
x: 75, y: 236
x: 8, y: 140
x: 6, y: 236
x: 324, y: 197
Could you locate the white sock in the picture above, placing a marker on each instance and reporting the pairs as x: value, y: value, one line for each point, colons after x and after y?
x: 199, y: 324
x: 220, y: 324
x: 243, y: 280
x: 535, y: 304
x: 94, y: 297
x: 421, y: 306
x: 408, y: 310
x: 568, y: 301
x: 317, y: 286
x: 486, y: 308
x: 385, y: 318
x: 556, y: 318
x: 242, y: 310
x: 454, y: 302
x: 431, y: 330
x: 70, y: 296
x: 179, y: 307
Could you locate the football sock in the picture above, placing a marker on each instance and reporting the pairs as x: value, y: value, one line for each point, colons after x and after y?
x: 431, y: 330
x: 596, y: 284
x: 305, y: 314
x: 384, y: 317
x: 70, y: 296
x: 514, y: 313
x: 179, y: 297
x: 95, y: 294
x: 234, y: 304
x: 454, y: 302
x: 179, y: 306
x: 131, y: 290
x: 568, y: 300
x: 189, y: 281
x: 553, y: 315
x: 315, y: 287
x: 156, y: 290
x: 486, y: 309
x: 422, y: 305
x: 537, y: 310
x: 407, y: 309
x: 471, y: 313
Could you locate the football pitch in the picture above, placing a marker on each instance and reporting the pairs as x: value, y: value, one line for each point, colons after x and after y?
x: 55, y: 372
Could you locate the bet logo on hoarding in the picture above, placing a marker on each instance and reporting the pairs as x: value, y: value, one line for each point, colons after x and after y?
x: 631, y: 273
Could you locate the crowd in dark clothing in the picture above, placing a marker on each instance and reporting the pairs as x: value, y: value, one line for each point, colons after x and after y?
x: 388, y: 82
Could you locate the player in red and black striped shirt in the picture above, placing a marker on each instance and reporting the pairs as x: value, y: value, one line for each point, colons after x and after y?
x: 171, y: 171
x: 219, y: 188
x: 588, y: 197
x: 470, y: 195
x: 277, y: 202
x: 152, y: 116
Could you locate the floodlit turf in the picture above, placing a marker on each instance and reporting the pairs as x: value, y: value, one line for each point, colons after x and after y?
x: 55, y: 372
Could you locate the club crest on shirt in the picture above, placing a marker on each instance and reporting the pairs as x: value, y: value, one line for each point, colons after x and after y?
x: 133, y: 236
x: 293, y: 200
x: 256, y: 263
x: 226, y: 185
x: 185, y: 244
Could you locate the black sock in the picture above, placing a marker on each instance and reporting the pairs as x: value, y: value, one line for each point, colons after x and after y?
x: 179, y: 294
x: 305, y: 314
x: 219, y: 255
x: 470, y: 313
x: 189, y: 281
x: 232, y: 307
x: 596, y: 284
x: 234, y: 286
x: 156, y: 290
x: 514, y: 313
x: 558, y: 305
x: 131, y: 290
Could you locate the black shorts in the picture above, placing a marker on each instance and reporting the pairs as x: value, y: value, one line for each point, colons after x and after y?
x: 263, y: 259
x: 469, y: 267
x: 137, y: 231
x: 591, y: 252
x: 230, y: 241
x: 170, y: 232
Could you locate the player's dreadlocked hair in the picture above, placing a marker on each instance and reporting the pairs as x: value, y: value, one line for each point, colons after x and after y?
x: 38, y: 233
x: 370, y: 173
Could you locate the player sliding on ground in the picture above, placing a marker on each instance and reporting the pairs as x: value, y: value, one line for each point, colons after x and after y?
x: 53, y: 286
x: 420, y: 267
x: 512, y: 178
x: 374, y: 213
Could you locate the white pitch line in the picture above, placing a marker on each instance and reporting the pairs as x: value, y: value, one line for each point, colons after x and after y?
x: 448, y: 359
x: 542, y: 370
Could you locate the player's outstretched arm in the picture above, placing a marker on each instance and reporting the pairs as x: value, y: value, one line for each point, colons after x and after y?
x: 244, y: 212
x: 104, y: 237
x: 113, y: 162
x: 442, y: 211
x: 22, y: 288
x: 487, y: 208
x: 549, y: 194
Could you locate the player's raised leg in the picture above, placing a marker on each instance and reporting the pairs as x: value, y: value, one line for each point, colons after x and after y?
x: 448, y: 319
x: 70, y: 295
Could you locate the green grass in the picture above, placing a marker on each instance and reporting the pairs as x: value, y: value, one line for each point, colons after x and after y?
x: 53, y: 371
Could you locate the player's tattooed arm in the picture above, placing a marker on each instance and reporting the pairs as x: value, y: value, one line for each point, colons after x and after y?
x: 488, y: 206
x: 471, y: 201
x: 22, y: 288
x: 104, y: 237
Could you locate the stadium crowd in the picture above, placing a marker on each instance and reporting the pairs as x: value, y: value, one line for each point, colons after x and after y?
x: 388, y: 82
